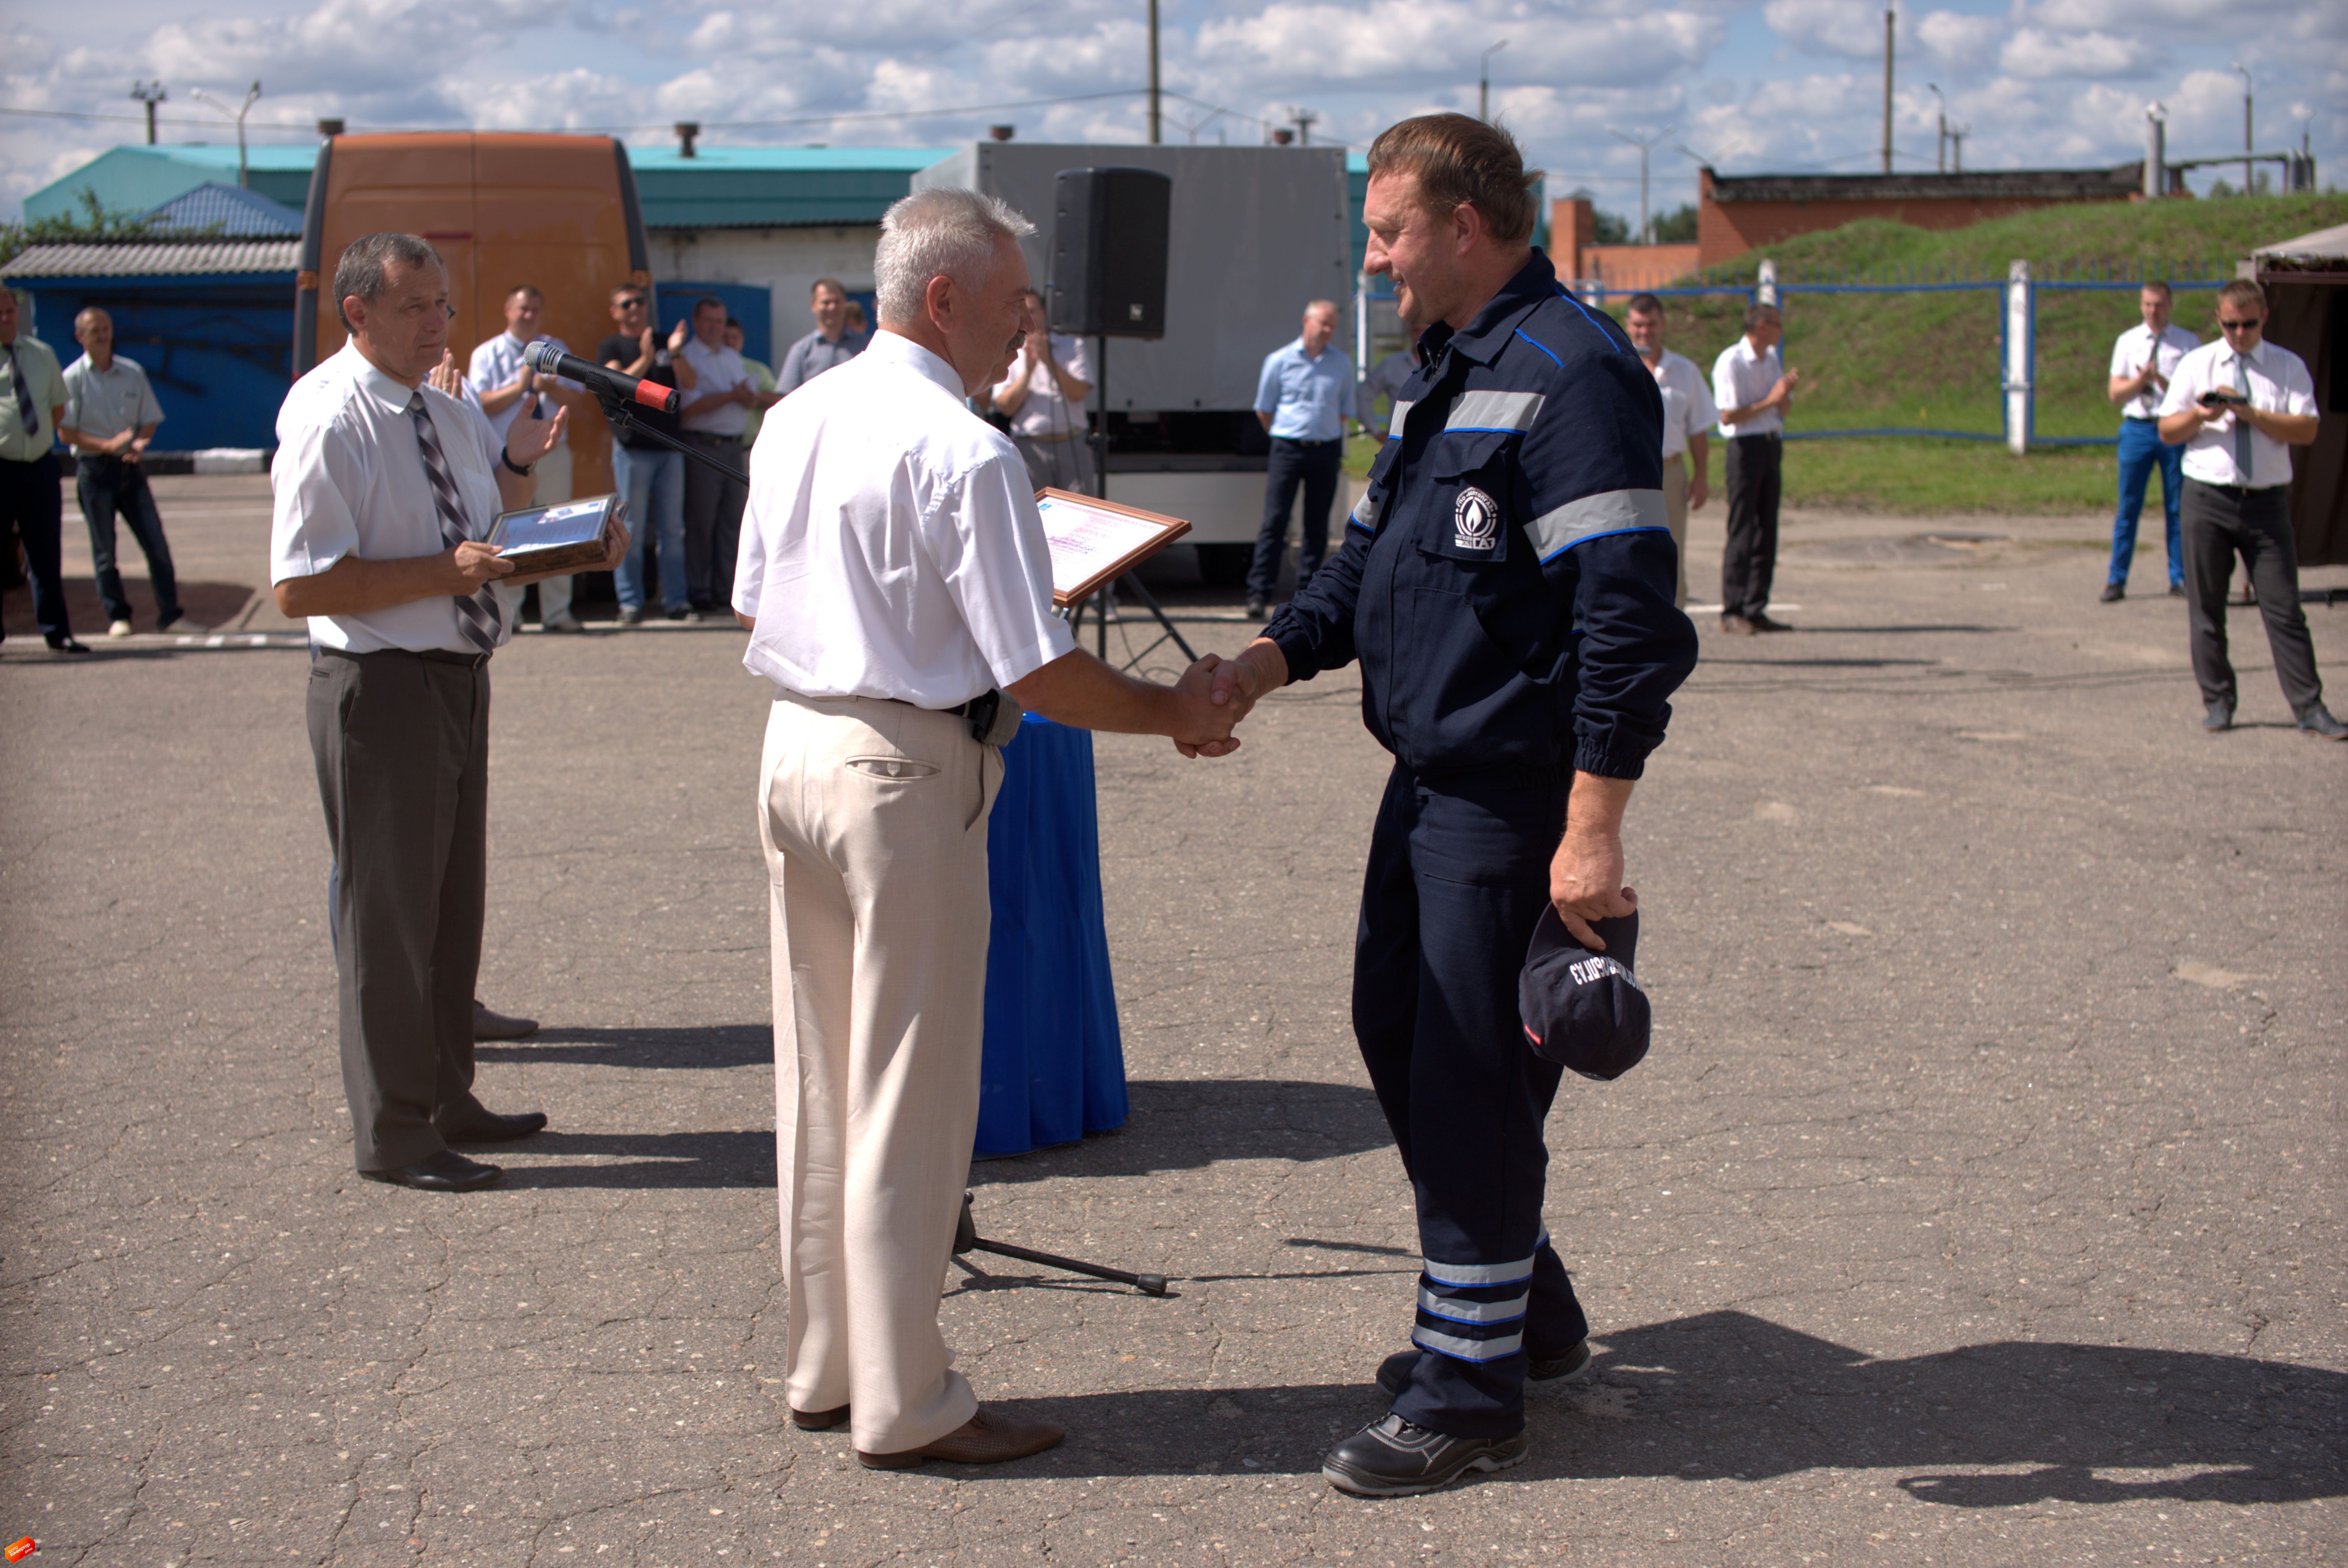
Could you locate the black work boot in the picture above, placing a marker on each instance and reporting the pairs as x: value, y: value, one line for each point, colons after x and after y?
x: 1392, y: 1457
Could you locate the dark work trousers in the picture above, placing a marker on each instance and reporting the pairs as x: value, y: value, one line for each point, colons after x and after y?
x: 2222, y: 521
x: 1750, y: 561
x: 1457, y: 878
x: 402, y: 745
x: 712, y: 521
x: 1313, y: 465
x: 32, y: 503
x: 106, y: 485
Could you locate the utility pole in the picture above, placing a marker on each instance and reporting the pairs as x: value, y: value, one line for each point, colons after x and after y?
x: 1304, y: 119
x: 1941, y: 136
x: 1957, y: 134
x: 150, y: 93
x: 1646, y: 230
x: 244, y: 175
x: 1153, y: 74
x: 1888, y: 27
x: 2246, y: 143
x: 1484, y: 82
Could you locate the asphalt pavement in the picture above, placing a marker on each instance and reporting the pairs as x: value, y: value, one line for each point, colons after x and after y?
x: 1980, y: 1203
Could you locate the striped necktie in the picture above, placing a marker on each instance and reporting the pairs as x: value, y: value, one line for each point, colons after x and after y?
x: 480, y: 615
x: 24, y: 408
x: 2241, y: 426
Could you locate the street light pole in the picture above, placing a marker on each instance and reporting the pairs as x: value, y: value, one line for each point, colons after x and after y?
x: 1888, y: 24
x: 1646, y: 232
x: 244, y: 175
x: 1940, y: 136
x: 150, y: 93
x: 1153, y: 74
x: 1484, y: 82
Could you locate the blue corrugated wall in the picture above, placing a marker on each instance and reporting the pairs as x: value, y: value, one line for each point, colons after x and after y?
x: 216, y: 348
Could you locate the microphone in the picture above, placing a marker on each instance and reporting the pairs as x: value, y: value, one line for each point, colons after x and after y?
x: 548, y: 360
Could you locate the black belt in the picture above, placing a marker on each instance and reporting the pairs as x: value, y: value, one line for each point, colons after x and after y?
x: 2240, y: 492
x: 1292, y: 440
x: 712, y: 437
x: 437, y: 655
x: 1764, y: 436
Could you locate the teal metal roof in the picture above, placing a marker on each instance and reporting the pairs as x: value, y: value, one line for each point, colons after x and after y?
x: 128, y: 179
x: 774, y: 187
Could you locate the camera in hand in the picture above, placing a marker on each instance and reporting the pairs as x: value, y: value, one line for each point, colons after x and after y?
x: 2218, y: 397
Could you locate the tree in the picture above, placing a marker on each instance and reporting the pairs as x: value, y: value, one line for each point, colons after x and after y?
x: 1676, y: 228
x: 1613, y: 229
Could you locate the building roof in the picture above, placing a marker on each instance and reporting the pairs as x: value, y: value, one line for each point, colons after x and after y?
x: 152, y: 258
x: 2039, y: 184
x: 2325, y: 245
x: 140, y: 178
x: 774, y: 187
x: 228, y: 212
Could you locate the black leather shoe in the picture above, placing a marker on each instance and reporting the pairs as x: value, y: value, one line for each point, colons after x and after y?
x: 1769, y: 623
x: 2114, y: 592
x: 2220, y: 716
x: 1394, y: 1372
x: 487, y: 1024
x: 1257, y: 609
x: 2318, y: 722
x: 1736, y: 625
x: 66, y: 645
x: 446, y: 1172
x: 2176, y: 590
x: 1392, y: 1457
x: 491, y: 1128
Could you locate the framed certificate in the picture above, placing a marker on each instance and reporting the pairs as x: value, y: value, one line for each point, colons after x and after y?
x: 552, y: 538
x: 1096, y: 542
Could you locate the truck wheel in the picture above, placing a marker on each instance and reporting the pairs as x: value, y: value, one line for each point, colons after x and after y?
x: 1224, y: 566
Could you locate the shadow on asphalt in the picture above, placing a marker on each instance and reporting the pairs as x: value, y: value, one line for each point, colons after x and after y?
x: 726, y: 1045
x: 644, y: 1160
x: 1727, y: 1396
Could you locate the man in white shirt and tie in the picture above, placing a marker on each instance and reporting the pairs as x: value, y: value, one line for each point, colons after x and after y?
x: 2142, y: 360
x: 2238, y: 406
x: 896, y: 584
x: 386, y: 488
x: 1688, y: 413
x: 507, y: 386
x: 1753, y: 390
x: 714, y: 414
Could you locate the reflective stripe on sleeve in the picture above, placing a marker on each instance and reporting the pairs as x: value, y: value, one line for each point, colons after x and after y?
x: 1467, y: 1276
x: 1608, y: 512
x: 1401, y: 412
x: 1426, y: 1338
x: 1461, y: 1311
x: 1494, y: 411
x: 1365, y: 511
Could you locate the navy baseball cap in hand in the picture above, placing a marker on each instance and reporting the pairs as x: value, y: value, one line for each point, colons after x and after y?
x: 1583, y: 1010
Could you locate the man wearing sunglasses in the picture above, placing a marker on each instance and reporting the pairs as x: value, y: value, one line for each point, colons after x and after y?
x: 2238, y: 406
x: 649, y: 475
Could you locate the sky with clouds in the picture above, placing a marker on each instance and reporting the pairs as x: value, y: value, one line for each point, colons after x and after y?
x: 1749, y: 85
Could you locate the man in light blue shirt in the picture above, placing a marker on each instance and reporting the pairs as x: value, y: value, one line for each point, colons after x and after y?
x: 1303, y: 399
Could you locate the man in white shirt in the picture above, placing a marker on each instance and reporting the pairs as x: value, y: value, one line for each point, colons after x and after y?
x: 111, y: 419
x: 1042, y: 396
x: 714, y: 414
x: 1753, y: 391
x: 896, y: 582
x: 507, y: 386
x: 2142, y: 360
x: 1688, y: 413
x: 2238, y: 406
x: 385, y: 491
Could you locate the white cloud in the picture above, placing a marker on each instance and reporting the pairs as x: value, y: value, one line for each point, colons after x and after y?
x: 2040, y: 54
x: 1849, y: 27
x: 1955, y: 38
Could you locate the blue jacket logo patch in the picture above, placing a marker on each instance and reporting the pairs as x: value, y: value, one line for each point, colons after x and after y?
x: 1475, y: 518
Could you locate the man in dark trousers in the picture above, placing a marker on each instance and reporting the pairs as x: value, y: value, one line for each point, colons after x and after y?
x: 31, y: 400
x: 1507, y: 583
x: 1302, y: 398
x: 385, y: 491
x: 1753, y: 390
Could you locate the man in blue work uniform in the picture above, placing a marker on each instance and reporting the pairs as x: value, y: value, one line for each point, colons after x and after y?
x: 1507, y: 583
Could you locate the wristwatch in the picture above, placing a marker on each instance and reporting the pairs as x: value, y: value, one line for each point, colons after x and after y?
x: 507, y: 458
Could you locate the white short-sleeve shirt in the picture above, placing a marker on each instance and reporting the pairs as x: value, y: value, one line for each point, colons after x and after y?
x: 105, y: 402
x: 892, y: 547
x: 349, y: 480
x: 1741, y: 378
x: 1046, y: 414
x: 1688, y: 408
x: 499, y: 362
x: 716, y: 370
x: 2279, y: 384
x: 2136, y: 346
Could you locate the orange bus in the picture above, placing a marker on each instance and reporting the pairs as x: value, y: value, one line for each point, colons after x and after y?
x: 557, y: 213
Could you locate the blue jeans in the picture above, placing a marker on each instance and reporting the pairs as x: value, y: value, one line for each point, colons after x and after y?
x: 652, y: 481
x: 2140, y: 449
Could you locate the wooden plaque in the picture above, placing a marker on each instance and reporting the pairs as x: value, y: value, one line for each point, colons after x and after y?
x: 1095, y: 542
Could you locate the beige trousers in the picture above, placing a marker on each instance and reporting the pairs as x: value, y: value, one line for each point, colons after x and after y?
x: 552, y: 473
x: 873, y: 818
x: 1675, y: 494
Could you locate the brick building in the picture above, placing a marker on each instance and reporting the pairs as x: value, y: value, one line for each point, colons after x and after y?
x: 1746, y: 212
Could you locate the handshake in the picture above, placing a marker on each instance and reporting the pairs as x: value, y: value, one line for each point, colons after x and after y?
x: 1215, y: 693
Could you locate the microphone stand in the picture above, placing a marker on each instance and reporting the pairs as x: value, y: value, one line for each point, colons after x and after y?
x: 1131, y: 583
x: 624, y: 421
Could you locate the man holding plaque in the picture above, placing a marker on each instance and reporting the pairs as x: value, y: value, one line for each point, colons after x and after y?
x: 910, y: 585
x: 1506, y: 582
x: 386, y: 488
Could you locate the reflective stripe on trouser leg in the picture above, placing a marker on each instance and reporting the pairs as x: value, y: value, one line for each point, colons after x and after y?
x: 1435, y: 1010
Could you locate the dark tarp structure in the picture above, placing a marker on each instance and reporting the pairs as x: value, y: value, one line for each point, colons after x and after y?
x: 2306, y: 281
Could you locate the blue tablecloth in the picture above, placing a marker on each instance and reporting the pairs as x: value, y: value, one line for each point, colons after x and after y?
x: 1054, y: 1063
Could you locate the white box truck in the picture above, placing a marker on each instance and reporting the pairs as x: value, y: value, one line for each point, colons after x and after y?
x: 1258, y: 232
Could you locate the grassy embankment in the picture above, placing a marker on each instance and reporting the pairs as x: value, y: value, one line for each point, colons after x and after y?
x: 1932, y: 359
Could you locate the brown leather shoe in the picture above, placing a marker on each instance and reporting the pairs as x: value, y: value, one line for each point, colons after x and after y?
x: 987, y: 1438
x: 487, y: 1024
x: 818, y: 1420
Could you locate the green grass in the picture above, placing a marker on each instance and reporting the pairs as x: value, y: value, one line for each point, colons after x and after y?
x: 1913, y: 475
